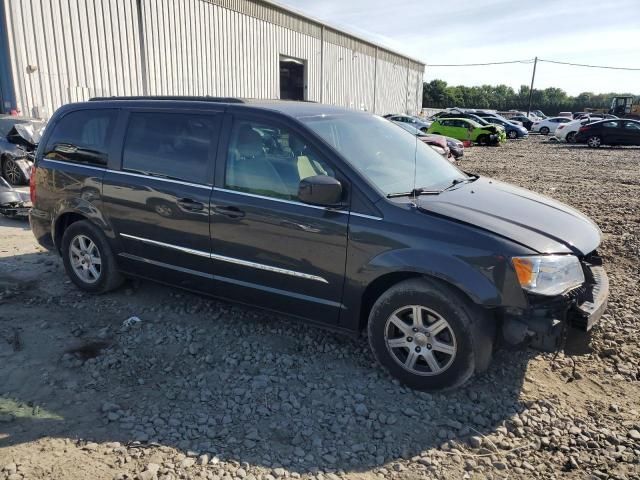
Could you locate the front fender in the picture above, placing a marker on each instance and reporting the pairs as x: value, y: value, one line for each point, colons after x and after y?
x: 487, y: 280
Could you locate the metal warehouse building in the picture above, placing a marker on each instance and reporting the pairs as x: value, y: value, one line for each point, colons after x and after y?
x: 54, y: 52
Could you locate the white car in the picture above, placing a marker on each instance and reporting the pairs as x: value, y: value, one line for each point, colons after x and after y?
x: 549, y: 125
x: 566, y: 132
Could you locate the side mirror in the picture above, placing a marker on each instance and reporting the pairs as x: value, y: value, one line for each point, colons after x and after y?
x: 320, y: 190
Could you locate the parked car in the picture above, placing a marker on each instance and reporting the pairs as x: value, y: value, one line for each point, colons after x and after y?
x: 345, y: 221
x: 567, y: 131
x: 512, y: 130
x: 549, y: 125
x: 525, y: 121
x: 539, y: 114
x: 13, y: 203
x: 437, y: 142
x: 18, y: 139
x: 488, y: 116
x: 456, y: 147
x: 465, y: 129
x: 565, y: 114
x: 418, y: 123
x: 609, y: 132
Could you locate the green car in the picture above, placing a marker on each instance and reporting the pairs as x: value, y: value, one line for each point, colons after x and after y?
x: 466, y: 129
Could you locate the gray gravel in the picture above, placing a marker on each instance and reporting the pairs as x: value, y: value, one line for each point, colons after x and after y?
x: 204, y: 389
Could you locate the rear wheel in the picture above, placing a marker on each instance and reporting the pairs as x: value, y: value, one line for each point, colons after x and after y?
x: 88, y: 259
x: 11, y: 171
x: 422, y: 333
x: 594, y: 141
x: 571, y: 137
x: 544, y: 131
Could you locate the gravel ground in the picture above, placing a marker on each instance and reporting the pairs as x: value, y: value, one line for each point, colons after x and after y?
x: 207, y: 390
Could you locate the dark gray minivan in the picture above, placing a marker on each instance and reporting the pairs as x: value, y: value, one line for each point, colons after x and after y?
x: 330, y: 215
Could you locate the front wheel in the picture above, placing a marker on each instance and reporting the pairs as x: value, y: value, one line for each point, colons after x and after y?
x: 512, y: 134
x: 12, y: 172
x: 88, y: 259
x: 422, y: 333
x: 594, y: 141
x: 483, y: 140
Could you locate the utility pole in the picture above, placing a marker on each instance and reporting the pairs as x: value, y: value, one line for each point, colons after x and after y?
x: 533, y: 78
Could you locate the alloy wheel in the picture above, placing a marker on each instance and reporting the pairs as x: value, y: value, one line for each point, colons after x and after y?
x: 85, y: 259
x: 594, y: 142
x: 420, y: 340
x: 513, y: 134
x: 12, y: 172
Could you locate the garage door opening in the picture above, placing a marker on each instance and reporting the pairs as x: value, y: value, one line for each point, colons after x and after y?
x: 293, y: 74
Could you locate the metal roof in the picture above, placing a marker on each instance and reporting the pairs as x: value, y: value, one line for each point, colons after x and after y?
x: 292, y: 11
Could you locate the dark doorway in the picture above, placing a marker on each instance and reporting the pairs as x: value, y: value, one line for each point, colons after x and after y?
x: 292, y: 79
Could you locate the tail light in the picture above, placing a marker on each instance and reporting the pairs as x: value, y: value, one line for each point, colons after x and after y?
x: 583, y: 129
x: 32, y: 185
x: 560, y: 127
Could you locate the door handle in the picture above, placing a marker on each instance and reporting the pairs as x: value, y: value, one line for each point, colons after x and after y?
x: 231, y: 212
x: 191, y: 205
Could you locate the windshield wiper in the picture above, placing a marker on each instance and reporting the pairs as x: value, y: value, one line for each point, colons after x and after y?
x: 416, y: 192
x: 458, y: 181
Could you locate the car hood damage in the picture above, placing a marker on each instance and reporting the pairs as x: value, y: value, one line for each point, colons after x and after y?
x: 530, y: 219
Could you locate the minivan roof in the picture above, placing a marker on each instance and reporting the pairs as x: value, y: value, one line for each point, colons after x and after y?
x: 287, y: 107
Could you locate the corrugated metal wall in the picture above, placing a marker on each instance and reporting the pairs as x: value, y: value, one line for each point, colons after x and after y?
x: 71, y: 50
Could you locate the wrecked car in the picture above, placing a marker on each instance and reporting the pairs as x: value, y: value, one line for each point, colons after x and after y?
x: 13, y: 203
x: 19, y: 138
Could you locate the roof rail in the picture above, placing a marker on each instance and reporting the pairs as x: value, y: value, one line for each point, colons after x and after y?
x: 171, y: 97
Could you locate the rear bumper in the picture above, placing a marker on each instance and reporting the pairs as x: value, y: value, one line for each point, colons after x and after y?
x: 545, y: 321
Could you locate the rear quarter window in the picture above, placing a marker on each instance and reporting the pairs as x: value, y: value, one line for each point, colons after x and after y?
x: 82, y: 136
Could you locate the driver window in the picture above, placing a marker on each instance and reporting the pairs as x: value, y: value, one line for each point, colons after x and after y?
x: 268, y: 160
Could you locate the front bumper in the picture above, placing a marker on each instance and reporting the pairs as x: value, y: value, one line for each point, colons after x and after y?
x: 545, y: 321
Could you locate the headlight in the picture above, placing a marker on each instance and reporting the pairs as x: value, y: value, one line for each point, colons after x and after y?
x: 548, y: 274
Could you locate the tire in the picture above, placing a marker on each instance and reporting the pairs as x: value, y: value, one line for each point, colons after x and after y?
x: 544, y: 130
x: 482, y: 140
x: 78, y: 237
x: 594, y: 141
x: 512, y: 134
x: 463, y: 346
x: 12, y: 173
x: 571, y: 137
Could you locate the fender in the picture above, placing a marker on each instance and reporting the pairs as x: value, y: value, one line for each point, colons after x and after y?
x: 88, y: 205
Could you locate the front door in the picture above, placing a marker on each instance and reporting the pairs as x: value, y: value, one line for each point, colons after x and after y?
x: 158, y: 201
x: 268, y: 248
x: 630, y: 133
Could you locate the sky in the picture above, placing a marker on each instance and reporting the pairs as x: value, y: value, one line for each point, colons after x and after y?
x: 596, y: 32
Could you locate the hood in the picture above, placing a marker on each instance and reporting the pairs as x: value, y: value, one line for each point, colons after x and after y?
x: 530, y: 219
x: 26, y: 134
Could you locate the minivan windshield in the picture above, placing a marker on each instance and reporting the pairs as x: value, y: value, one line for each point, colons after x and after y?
x: 388, y: 156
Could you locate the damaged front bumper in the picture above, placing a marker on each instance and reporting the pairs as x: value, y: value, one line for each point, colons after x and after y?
x: 545, y: 322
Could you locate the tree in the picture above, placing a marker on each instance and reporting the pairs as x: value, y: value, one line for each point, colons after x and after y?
x: 437, y: 94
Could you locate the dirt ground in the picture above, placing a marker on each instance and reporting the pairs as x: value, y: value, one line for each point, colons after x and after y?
x: 208, y: 390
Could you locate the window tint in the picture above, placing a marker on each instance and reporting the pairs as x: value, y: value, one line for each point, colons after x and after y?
x: 632, y: 126
x: 610, y: 124
x: 268, y: 160
x: 446, y: 123
x: 173, y: 145
x: 82, y: 137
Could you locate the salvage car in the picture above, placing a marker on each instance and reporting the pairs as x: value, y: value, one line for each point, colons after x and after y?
x: 13, y: 203
x: 512, y: 130
x: 609, y: 132
x: 18, y: 139
x: 437, y: 142
x: 345, y: 221
x: 549, y: 125
x: 465, y: 129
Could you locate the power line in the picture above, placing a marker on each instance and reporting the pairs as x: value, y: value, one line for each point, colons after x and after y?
x: 480, y: 64
x: 588, y: 66
x: 530, y: 61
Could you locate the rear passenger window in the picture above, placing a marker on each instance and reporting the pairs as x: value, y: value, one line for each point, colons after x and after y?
x: 610, y: 124
x: 268, y: 160
x: 172, y: 145
x: 82, y: 137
